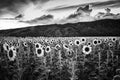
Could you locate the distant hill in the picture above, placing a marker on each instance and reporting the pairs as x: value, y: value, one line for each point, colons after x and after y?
x: 107, y: 27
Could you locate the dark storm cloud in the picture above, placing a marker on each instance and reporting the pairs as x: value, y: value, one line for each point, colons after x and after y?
x: 72, y: 16
x: 111, y: 3
x: 42, y: 18
x: 7, y: 3
x: 15, y: 5
x: 108, y: 3
x: 45, y: 17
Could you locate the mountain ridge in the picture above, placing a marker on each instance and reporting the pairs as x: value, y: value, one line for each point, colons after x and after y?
x: 106, y: 27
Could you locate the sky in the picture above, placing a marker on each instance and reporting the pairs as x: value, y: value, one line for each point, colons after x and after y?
x: 60, y: 9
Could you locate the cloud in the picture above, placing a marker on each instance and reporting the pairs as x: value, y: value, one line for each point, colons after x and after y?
x: 80, y: 12
x: 43, y: 19
x: 72, y: 16
x: 107, y: 4
x: 9, y: 3
x: 16, y: 5
x: 111, y: 3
